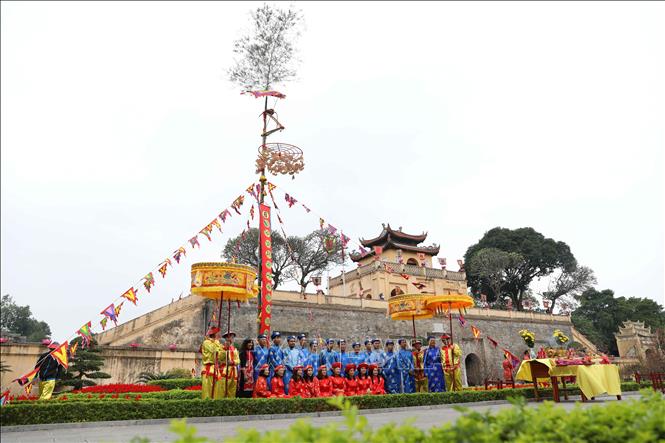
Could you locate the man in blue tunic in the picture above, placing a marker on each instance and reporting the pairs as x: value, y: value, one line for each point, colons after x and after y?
x: 276, y: 353
x: 328, y: 356
x: 405, y: 365
x: 390, y: 370
x: 433, y: 368
x: 260, y: 354
x: 344, y: 357
x: 368, y: 351
x: 376, y: 357
x: 291, y: 360
x: 313, y: 356
x: 357, y: 357
x: 303, y: 347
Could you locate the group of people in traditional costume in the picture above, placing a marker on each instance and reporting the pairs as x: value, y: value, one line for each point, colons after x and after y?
x: 300, y: 368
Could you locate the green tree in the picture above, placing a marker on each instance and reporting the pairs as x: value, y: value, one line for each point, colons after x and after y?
x: 600, y: 315
x: 492, y: 266
x: 19, y: 320
x: 568, y: 285
x: 541, y: 256
x: 246, y: 251
x: 84, y: 367
x: 313, y: 254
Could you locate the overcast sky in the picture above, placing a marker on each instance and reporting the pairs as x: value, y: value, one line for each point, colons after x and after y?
x: 122, y: 137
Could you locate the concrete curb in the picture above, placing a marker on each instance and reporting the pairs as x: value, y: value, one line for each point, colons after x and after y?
x: 243, y: 418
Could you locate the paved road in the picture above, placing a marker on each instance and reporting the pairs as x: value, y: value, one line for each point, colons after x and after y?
x: 216, y: 428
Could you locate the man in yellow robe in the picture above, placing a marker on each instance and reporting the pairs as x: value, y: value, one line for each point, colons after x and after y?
x: 210, y: 375
x: 419, y: 366
x: 450, y: 360
x: 229, y: 360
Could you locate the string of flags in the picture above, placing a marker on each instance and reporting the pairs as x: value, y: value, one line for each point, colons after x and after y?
x: 112, y: 312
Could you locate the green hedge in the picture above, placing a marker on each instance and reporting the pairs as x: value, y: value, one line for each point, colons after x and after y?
x: 159, y: 405
x: 176, y: 383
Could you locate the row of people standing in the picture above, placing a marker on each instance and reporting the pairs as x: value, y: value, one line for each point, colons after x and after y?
x: 405, y: 370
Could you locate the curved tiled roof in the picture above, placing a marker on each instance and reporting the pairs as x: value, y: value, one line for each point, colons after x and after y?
x: 388, y: 234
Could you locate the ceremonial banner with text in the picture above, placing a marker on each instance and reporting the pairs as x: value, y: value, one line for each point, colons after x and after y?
x: 266, y: 270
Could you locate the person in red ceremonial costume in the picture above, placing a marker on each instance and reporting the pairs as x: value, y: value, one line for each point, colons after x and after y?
x: 311, y: 383
x: 507, y: 368
x: 364, y: 382
x: 527, y: 355
x: 325, y: 382
x: 297, y: 383
x: 277, y: 383
x: 350, y: 384
x: 541, y: 353
x: 377, y: 385
x: 261, y: 385
x: 337, y: 381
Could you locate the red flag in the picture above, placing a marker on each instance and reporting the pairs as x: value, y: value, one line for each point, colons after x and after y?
x: 494, y: 342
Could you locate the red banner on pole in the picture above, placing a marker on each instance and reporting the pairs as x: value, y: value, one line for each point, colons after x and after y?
x: 266, y: 269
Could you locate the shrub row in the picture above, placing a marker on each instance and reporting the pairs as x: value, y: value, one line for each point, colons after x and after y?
x: 158, y: 405
x: 176, y: 383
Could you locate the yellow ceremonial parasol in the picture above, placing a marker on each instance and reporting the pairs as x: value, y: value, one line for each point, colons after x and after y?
x: 409, y: 307
x: 224, y: 281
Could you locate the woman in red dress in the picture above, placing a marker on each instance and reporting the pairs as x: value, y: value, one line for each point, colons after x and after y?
x: 377, y: 385
x: 507, y: 368
x: 277, y: 383
x: 311, y: 383
x: 350, y: 383
x: 297, y: 383
x: 337, y: 380
x: 261, y: 385
x: 363, y: 380
x: 325, y: 382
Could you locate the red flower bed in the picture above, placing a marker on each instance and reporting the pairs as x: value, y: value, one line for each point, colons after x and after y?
x: 193, y: 388
x: 120, y: 388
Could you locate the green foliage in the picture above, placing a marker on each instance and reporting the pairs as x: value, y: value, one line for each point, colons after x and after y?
x: 19, y: 320
x: 175, y: 383
x: 84, y: 367
x: 175, y: 373
x: 600, y: 314
x: 541, y: 256
x: 177, y: 404
x: 638, y: 421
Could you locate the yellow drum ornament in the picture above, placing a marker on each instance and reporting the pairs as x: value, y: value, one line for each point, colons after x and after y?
x: 227, y: 281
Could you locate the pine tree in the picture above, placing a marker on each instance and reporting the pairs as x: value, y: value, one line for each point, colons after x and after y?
x: 84, y: 367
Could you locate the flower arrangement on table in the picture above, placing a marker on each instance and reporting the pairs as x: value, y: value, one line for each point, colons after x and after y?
x: 528, y: 337
x: 561, y: 338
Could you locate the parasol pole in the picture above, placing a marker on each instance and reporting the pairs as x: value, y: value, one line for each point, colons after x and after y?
x: 219, y: 326
x: 413, y: 321
x: 226, y: 359
x: 452, y: 342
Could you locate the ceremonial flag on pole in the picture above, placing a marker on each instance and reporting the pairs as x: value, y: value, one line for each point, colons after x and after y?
x: 494, y: 342
x: 237, y: 203
x: 345, y: 240
x: 85, y: 333
x: 442, y: 262
x: 194, y: 241
x: 118, y: 308
x: 60, y: 354
x: 27, y: 378
x: 475, y: 331
x: 149, y: 281
x: 130, y: 294
x: 332, y: 229
x: 224, y: 214
x: 177, y: 255
x: 250, y: 190
x: 321, y: 222
x: 258, y: 94
x: 462, y: 320
x: 513, y: 358
x: 271, y: 187
x: 103, y: 323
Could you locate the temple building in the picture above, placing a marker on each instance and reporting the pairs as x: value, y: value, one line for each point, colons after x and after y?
x: 636, y: 341
x: 401, y: 266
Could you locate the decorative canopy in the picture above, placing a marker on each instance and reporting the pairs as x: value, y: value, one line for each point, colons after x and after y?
x: 408, y: 307
x: 229, y: 281
x: 453, y: 301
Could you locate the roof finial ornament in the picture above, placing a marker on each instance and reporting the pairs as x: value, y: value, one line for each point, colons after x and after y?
x: 400, y: 229
x: 383, y: 225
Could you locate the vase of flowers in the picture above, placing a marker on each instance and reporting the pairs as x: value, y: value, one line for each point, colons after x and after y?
x: 529, y: 340
x: 560, y: 338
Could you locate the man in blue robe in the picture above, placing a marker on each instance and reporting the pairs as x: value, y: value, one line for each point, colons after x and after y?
x: 291, y: 360
x: 406, y: 368
x: 377, y: 356
x: 303, y: 346
x: 344, y: 357
x: 390, y: 370
x: 433, y: 368
x: 328, y: 356
x: 261, y: 353
x: 313, y: 356
x: 368, y: 351
x: 276, y: 353
x: 357, y: 357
